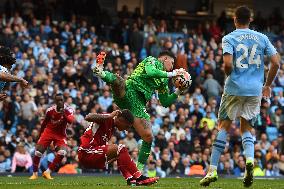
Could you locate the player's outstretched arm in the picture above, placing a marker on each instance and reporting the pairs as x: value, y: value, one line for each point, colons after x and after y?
x: 100, y: 118
x: 153, y: 72
x: 11, y: 78
x: 167, y: 99
x: 274, y: 67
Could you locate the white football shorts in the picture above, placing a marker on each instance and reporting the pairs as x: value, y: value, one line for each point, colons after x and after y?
x: 232, y: 107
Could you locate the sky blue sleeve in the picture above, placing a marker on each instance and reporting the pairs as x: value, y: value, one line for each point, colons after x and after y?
x: 269, y: 49
x: 227, y: 46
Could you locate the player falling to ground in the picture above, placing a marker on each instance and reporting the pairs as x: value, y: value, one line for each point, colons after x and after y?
x: 151, y: 75
x: 53, y: 129
x: 243, y: 55
x: 6, y: 62
x: 95, y: 153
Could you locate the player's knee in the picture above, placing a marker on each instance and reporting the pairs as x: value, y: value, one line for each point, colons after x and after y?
x: 226, y: 129
x: 118, y: 80
x: 40, y: 148
x: 225, y: 125
x: 148, y: 137
x: 38, y: 153
x: 245, y: 125
x: 62, y: 152
x: 112, y: 151
x: 244, y: 129
x: 119, y: 87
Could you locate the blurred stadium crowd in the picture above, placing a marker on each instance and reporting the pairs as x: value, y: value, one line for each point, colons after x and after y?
x: 57, y: 56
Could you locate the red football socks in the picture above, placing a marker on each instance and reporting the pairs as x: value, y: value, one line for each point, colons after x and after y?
x: 36, y: 161
x: 56, y: 162
x: 126, y: 165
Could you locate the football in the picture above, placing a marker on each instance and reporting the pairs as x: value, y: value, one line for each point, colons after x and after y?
x: 183, y: 81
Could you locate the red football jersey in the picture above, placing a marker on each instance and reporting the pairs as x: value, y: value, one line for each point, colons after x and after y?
x: 55, y: 122
x: 97, y: 134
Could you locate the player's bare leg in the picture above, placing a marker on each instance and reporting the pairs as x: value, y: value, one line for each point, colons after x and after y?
x: 118, y: 87
x: 60, y: 154
x: 248, y: 145
x: 36, y: 159
x: 218, y: 148
x: 143, y: 128
x: 112, y: 153
x: 126, y: 166
x: 116, y: 81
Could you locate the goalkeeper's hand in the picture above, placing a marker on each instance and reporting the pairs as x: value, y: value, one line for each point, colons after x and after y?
x: 176, y: 72
x: 179, y: 91
x: 183, y: 89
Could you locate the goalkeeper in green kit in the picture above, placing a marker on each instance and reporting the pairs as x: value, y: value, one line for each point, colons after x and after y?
x: 151, y: 75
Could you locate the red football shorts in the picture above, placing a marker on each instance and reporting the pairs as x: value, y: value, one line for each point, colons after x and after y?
x: 93, y: 157
x: 46, y: 139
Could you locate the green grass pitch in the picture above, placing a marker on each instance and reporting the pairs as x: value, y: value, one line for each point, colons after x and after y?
x: 115, y: 182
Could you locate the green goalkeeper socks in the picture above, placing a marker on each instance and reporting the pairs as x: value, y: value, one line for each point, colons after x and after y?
x: 143, y: 155
x: 109, y: 77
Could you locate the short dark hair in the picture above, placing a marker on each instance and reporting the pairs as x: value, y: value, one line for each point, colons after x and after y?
x: 6, y: 56
x: 243, y: 15
x: 127, y: 115
x: 167, y: 53
x: 58, y: 94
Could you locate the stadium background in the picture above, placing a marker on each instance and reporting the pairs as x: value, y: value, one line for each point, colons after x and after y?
x: 56, y: 43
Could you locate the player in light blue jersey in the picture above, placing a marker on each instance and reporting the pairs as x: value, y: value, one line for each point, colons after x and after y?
x: 6, y: 62
x: 243, y: 56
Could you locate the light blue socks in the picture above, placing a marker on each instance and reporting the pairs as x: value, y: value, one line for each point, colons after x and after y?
x: 248, y: 145
x: 218, y: 148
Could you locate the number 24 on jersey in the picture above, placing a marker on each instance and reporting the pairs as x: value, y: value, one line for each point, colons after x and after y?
x: 251, y: 57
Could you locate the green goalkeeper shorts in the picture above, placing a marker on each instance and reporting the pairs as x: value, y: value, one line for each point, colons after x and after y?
x: 134, y: 101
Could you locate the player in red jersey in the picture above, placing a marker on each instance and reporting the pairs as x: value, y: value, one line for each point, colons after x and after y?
x: 53, y: 129
x: 95, y: 152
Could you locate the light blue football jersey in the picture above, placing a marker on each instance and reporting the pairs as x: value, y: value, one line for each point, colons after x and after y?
x: 248, y: 48
x: 2, y: 83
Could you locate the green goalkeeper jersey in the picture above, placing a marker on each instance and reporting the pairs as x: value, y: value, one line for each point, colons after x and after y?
x: 150, y: 76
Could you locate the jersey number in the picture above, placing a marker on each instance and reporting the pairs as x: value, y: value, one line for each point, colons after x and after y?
x: 252, y: 60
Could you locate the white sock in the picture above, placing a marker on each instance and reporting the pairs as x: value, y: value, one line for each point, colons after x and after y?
x: 249, y: 159
x: 212, y: 168
x: 103, y: 74
x: 48, y: 170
